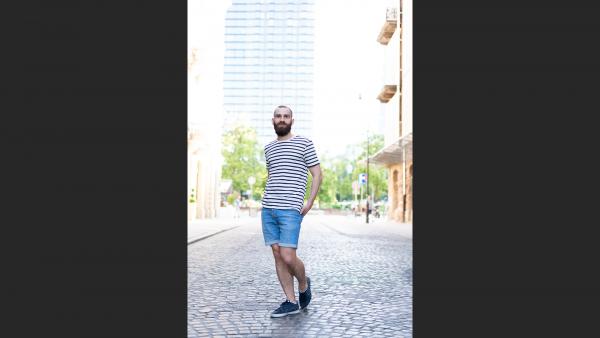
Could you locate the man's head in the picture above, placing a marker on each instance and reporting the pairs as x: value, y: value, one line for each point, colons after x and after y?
x: 282, y: 120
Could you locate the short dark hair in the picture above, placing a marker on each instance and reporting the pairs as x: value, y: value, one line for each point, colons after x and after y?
x: 282, y: 106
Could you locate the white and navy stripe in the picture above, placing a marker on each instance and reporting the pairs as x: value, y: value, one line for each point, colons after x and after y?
x: 287, y: 163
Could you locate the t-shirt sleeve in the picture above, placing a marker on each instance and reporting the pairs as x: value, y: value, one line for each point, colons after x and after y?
x: 310, y: 155
x: 266, y: 158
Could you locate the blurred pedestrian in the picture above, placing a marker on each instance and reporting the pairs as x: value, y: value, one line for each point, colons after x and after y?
x: 237, y: 203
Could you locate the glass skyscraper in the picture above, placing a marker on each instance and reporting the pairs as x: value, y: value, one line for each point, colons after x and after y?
x: 269, y: 46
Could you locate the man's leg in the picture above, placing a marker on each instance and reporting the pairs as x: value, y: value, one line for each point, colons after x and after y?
x: 283, y: 273
x: 295, y: 267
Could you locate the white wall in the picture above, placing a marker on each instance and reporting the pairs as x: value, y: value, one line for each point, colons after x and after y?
x: 206, y: 28
x: 392, y: 77
x: 407, y: 67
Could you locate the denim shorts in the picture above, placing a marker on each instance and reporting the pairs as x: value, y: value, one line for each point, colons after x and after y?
x: 281, y: 226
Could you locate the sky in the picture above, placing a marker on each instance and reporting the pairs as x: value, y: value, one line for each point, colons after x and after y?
x: 348, y: 66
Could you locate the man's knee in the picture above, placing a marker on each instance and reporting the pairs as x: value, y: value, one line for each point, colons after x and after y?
x: 276, y: 251
x: 288, y: 255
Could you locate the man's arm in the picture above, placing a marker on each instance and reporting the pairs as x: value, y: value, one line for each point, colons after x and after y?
x: 317, y: 178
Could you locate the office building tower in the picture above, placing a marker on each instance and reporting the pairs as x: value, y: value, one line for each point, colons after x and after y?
x: 269, y: 47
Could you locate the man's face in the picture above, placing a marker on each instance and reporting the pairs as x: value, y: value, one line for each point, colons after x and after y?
x: 282, y: 121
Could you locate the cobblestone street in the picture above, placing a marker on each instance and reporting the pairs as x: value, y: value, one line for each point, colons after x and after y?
x: 361, y: 281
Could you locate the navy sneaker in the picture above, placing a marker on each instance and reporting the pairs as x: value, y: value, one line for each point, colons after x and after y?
x: 286, y: 308
x: 306, y: 295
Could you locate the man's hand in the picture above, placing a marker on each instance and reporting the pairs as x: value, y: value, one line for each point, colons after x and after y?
x: 305, y: 209
x: 317, y: 175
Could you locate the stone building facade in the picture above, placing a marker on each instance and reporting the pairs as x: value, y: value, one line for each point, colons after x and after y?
x: 396, y: 96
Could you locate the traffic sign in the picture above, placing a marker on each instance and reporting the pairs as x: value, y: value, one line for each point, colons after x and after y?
x: 362, y: 178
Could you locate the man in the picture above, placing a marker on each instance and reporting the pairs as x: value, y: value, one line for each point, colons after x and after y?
x: 288, y: 158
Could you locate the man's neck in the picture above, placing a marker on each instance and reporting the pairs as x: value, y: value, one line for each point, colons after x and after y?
x: 285, y: 137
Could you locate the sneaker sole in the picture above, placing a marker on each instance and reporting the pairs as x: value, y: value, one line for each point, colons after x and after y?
x: 305, y: 306
x: 279, y: 315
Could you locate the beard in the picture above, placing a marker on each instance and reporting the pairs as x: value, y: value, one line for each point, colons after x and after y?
x: 282, y: 129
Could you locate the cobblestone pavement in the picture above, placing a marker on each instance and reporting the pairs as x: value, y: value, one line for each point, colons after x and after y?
x: 361, y: 283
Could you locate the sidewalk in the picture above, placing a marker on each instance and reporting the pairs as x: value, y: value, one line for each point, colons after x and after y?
x: 357, y: 225
x: 203, y: 228
x: 199, y: 229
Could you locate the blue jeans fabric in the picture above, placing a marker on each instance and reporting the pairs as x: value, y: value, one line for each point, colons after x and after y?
x: 281, y: 226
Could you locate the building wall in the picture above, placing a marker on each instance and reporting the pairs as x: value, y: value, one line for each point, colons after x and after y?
x: 406, y: 67
x: 393, y: 118
x: 392, y: 77
x: 205, y: 104
x: 398, y: 111
x: 406, y: 99
x: 204, y: 175
x: 408, y: 215
x: 395, y: 192
x: 400, y: 192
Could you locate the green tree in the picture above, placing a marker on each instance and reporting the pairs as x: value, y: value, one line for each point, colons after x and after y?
x: 377, y: 174
x: 337, y: 182
x: 242, y: 158
x: 343, y: 178
x: 355, y: 156
x: 326, y: 195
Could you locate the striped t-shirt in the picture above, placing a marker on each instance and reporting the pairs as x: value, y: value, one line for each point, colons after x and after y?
x: 287, y: 163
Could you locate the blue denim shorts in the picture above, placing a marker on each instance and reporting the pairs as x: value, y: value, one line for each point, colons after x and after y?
x: 281, y: 226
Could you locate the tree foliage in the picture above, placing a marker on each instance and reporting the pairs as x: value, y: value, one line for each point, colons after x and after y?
x: 337, y: 182
x: 243, y: 157
x: 377, y: 174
